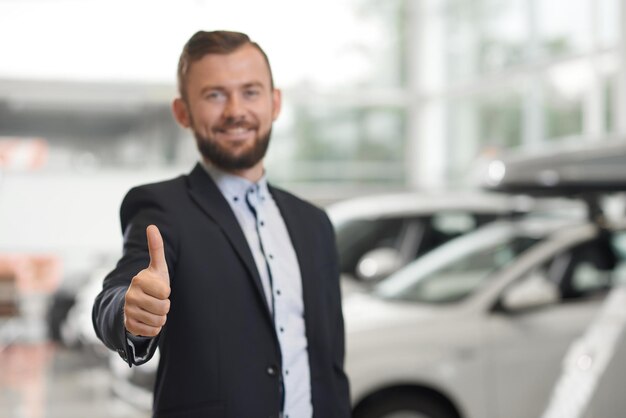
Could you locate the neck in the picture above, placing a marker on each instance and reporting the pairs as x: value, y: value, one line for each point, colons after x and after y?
x: 252, y: 174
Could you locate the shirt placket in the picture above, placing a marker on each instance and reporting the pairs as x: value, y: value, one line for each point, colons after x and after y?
x: 254, y: 200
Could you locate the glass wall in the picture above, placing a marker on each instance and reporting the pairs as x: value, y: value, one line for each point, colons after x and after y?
x: 512, y: 73
x: 398, y: 93
x: 345, y: 122
x: 341, y: 66
x: 86, y: 90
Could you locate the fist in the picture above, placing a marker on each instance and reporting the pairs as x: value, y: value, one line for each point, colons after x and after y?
x: 146, y: 302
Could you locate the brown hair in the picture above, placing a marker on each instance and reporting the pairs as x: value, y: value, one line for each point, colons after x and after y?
x: 217, y: 42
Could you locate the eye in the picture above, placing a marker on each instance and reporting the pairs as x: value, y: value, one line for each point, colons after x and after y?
x: 215, y: 96
x: 251, y: 93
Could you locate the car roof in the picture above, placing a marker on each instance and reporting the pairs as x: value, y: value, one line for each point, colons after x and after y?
x: 413, y: 204
x: 422, y: 203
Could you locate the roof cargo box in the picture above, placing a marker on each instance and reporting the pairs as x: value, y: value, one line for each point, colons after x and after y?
x: 579, y: 169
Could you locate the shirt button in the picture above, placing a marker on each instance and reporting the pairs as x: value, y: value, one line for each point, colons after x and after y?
x: 271, y: 371
x: 262, y: 223
x: 278, y: 292
x: 282, y: 329
x: 271, y: 256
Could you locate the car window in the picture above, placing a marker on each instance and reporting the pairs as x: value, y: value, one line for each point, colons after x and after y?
x: 460, y: 277
x: 410, y: 236
x: 585, y: 270
x: 453, y: 223
x: 447, y: 225
x: 587, y: 278
x: 619, y: 247
x: 444, y: 226
x: 357, y: 237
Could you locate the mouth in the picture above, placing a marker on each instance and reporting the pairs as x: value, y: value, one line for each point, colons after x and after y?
x: 238, y: 133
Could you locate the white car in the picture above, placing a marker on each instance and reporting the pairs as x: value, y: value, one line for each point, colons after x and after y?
x: 378, y: 234
x: 479, y: 327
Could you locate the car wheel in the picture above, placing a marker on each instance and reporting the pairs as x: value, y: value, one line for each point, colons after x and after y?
x: 404, y: 406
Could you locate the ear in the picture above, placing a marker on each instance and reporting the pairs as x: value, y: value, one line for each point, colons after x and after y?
x: 276, y: 103
x: 181, y: 112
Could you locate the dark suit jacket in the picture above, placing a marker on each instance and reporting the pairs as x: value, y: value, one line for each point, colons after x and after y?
x: 219, y: 352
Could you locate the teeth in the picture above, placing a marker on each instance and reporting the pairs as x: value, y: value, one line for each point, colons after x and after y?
x: 236, y: 131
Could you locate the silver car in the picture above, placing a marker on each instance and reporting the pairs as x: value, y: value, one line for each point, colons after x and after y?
x: 378, y: 234
x: 479, y: 327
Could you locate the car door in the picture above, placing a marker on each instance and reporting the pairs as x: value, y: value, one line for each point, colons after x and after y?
x: 527, y: 345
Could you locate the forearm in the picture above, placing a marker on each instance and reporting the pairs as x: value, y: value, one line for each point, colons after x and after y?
x: 108, y: 319
x: 139, y: 210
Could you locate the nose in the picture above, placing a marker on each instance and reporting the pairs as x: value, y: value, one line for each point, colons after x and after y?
x: 233, y: 108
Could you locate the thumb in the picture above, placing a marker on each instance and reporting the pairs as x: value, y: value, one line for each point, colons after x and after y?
x: 157, y: 253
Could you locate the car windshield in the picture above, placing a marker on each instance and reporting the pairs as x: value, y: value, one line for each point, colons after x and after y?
x: 453, y: 271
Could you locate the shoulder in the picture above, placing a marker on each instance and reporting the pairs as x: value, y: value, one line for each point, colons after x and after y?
x: 157, y: 190
x: 158, y: 194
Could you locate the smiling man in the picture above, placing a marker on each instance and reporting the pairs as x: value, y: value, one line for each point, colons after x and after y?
x: 236, y: 281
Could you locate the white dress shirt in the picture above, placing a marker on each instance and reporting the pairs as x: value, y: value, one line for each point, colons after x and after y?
x: 276, y: 261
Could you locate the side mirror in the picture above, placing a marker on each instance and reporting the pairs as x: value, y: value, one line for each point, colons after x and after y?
x: 378, y: 264
x: 533, y: 292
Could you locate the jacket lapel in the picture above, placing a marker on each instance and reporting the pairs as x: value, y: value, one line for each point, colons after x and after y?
x: 301, y: 243
x: 207, y: 195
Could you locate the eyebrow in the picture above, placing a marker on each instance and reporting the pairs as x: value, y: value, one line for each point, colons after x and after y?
x: 253, y: 84
x: 222, y: 88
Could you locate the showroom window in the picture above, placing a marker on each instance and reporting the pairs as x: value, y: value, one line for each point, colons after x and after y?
x: 508, y: 74
x: 395, y: 92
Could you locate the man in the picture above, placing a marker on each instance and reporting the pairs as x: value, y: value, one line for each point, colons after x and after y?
x: 236, y: 281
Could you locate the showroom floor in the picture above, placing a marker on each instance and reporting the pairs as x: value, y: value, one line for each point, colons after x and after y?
x: 42, y: 380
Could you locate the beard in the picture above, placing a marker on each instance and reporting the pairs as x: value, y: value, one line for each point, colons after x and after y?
x: 228, y: 160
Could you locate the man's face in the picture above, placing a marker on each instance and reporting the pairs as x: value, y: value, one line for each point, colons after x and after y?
x: 230, y: 107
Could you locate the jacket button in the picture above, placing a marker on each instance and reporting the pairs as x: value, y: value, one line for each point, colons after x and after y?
x: 271, y: 371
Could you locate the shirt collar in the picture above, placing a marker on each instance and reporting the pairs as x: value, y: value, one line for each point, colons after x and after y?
x: 235, y: 187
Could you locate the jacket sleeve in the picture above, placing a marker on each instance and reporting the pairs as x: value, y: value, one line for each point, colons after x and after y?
x: 140, y: 208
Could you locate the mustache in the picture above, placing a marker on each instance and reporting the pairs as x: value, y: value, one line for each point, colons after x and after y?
x: 236, y: 123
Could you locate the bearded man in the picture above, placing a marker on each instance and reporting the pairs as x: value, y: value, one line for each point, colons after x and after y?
x: 234, y: 280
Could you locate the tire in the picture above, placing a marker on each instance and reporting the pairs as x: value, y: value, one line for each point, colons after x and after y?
x: 404, y: 405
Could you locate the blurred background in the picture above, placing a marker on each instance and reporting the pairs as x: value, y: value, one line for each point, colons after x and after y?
x: 394, y: 95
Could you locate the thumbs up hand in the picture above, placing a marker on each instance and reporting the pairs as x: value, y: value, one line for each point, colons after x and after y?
x: 146, y: 302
